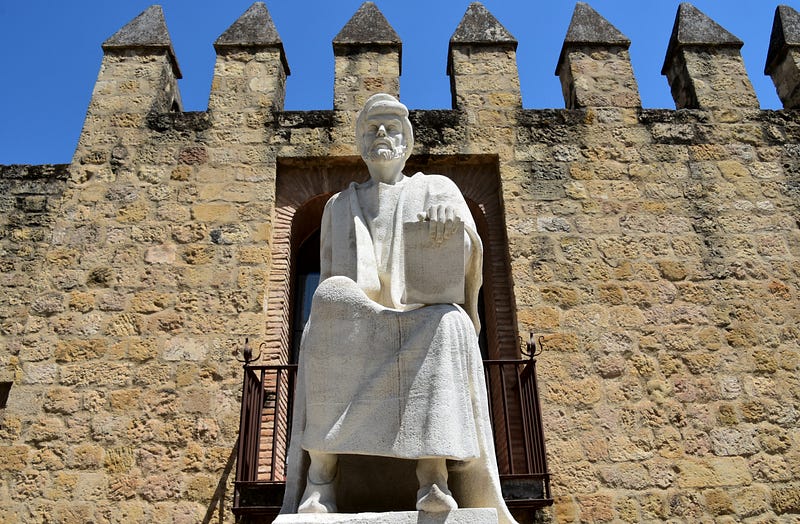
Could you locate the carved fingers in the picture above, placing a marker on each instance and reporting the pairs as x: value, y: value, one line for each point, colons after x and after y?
x: 443, y: 220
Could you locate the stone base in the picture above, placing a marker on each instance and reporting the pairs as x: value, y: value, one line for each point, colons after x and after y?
x: 458, y: 516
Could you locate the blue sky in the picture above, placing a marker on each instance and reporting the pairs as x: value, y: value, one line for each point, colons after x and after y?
x: 51, y: 53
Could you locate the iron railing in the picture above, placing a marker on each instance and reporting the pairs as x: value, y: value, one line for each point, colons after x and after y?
x: 265, y: 428
x: 518, y: 432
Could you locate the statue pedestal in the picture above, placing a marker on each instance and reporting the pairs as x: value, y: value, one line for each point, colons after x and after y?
x: 458, y: 516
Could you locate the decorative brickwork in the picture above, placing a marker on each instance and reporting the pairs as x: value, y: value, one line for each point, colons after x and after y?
x: 657, y: 252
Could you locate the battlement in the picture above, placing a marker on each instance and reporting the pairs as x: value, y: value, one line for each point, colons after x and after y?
x: 655, y: 251
x: 138, y: 76
x: 593, y: 65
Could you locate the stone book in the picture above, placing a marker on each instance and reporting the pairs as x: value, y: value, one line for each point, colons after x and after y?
x: 434, y: 271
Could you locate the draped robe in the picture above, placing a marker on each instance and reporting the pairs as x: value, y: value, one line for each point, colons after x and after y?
x: 378, y: 377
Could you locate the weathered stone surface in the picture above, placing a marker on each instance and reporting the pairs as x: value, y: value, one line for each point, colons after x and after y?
x: 62, y: 400
x: 48, y: 304
x: 478, y: 25
x: 702, y: 59
x: 367, y: 26
x: 594, y: 66
x: 366, y: 60
x: 254, y: 28
x: 781, y: 62
x: 655, y: 251
x: 14, y: 458
x: 160, y: 487
x: 785, y: 34
x: 786, y: 498
x: 482, y: 65
x: 148, y: 30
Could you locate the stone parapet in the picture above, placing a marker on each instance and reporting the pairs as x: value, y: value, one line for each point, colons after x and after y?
x: 367, y: 59
x: 251, y: 68
x: 783, y: 56
x: 482, y: 64
x: 138, y: 76
x: 147, y: 33
x: 594, y: 65
x: 703, y: 64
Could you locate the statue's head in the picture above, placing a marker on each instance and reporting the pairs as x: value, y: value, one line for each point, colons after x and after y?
x: 383, y: 131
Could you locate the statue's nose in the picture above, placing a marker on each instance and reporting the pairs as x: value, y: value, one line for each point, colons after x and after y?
x: 381, y: 130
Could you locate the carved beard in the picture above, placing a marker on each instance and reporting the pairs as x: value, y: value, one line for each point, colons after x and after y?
x: 386, y: 154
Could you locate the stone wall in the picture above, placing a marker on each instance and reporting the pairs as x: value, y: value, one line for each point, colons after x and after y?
x: 657, y: 252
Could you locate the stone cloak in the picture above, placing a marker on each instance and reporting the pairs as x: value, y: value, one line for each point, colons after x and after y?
x: 372, y: 356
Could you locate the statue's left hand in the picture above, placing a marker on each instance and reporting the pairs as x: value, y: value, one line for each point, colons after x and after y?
x: 443, y: 220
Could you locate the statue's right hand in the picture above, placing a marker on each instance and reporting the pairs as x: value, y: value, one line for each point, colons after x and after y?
x: 443, y: 220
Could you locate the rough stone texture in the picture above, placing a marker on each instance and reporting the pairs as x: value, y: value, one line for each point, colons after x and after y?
x: 785, y: 33
x: 594, y: 65
x: 782, y: 56
x: 598, y: 76
x: 367, y: 26
x: 254, y: 28
x: 367, y: 59
x: 489, y: 79
x: 785, y: 75
x: 657, y: 251
x: 148, y: 30
x: 361, y: 71
x: 703, y: 64
x: 588, y: 27
x: 479, y: 26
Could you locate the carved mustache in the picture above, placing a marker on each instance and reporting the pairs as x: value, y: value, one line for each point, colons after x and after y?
x: 382, y: 142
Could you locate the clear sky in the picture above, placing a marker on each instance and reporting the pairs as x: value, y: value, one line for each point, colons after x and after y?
x: 50, y: 53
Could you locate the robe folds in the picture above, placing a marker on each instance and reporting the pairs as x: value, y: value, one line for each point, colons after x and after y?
x: 380, y: 378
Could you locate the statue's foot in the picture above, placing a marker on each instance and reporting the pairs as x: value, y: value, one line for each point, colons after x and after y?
x: 318, y: 498
x: 433, y: 499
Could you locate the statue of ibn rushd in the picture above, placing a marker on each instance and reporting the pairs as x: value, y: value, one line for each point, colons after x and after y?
x: 391, y: 409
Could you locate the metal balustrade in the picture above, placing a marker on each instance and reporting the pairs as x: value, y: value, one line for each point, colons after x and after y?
x: 265, y: 429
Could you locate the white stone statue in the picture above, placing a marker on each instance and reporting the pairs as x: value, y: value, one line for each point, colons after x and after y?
x: 380, y: 377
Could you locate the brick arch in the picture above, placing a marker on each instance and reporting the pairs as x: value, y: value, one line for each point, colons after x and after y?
x: 302, y: 188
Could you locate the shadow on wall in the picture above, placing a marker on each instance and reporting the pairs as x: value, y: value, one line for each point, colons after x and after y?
x: 217, y: 503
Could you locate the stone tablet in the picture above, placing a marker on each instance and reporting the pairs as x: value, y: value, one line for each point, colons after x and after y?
x: 434, y: 271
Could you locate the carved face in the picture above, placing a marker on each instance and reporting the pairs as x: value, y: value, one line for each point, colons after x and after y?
x: 382, y: 139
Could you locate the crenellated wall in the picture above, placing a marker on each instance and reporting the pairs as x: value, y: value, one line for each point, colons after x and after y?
x: 657, y: 252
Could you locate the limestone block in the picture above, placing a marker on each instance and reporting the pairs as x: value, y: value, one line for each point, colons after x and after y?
x: 61, y: 400
x: 786, y: 498
x: 458, y: 516
x: 13, y: 458
x: 184, y: 348
x: 201, y: 488
x: 751, y: 501
x: 703, y: 64
x: 367, y: 58
x: 596, y: 508
x: 594, y: 64
x: 48, y: 458
x: 48, y: 304
x: 565, y: 509
x: 482, y: 61
x: 160, y: 487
